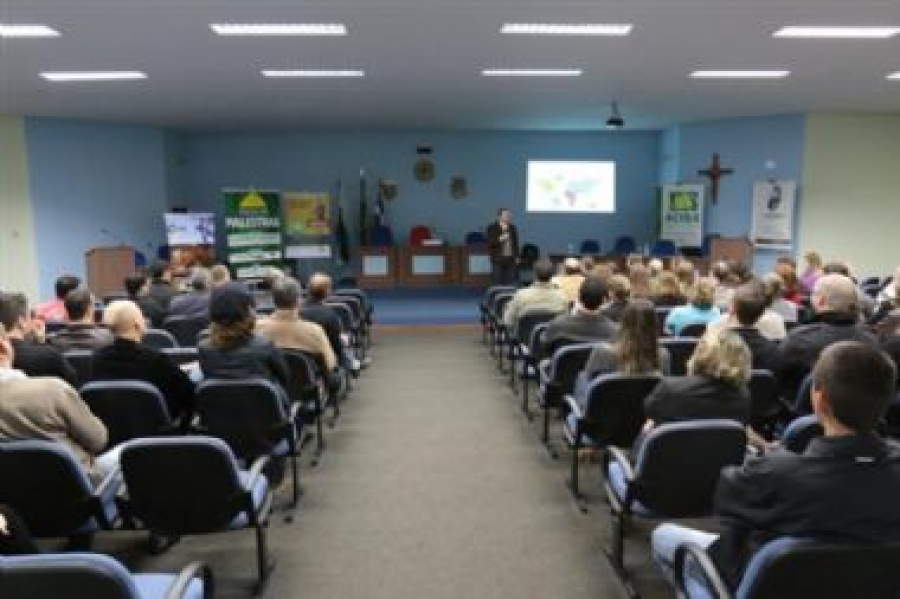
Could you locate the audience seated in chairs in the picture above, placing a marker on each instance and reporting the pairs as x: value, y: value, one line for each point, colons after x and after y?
x: 585, y: 323
x: 232, y: 350
x: 836, y: 319
x: 636, y: 350
x: 777, y: 304
x: 161, y: 288
x: 700, y: 310
x: 55, y: 309
x: 286, y: 329
x: 864, y: 303
x: 570, y: 279
x: 315, y: 310
x: 137, y: 288
x: 32, y: 355
x: 745, y: 318
x: 668, y: 291
x: 843, y: 488
x: 81, y: 331
x: 129, y: 359
x: 540, y: 295
x: 50, y: 409
x: 619, y: 297
x: 194, y: 303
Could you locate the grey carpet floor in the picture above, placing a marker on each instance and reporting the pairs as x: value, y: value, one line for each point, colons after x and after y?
x: 434, y: 486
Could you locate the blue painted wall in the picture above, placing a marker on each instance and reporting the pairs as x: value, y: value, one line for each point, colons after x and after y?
x: 493, y: 162
x: 757, y: 149
x: 87, y: 178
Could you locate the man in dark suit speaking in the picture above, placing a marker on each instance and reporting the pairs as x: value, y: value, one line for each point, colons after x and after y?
x: 503, y: 246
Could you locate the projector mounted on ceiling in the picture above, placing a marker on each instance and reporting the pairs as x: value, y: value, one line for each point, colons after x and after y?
x: 615, y: 120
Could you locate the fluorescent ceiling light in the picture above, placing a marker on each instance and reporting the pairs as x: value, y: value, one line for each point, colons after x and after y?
x: 27, y: 31
x: 279, y: 29
x: 838, y: 32
x: 601, y: 29
x: 894, y: 76
x: 93, y: 75
x: 314, y: 73
x: 531, y: 72
x: 740, y: 74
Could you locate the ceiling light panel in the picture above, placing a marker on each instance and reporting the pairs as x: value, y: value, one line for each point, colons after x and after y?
x: 314, y: 73
x: 65, y: 76
x: 279, y: 29
x: 894, y: 76
x: 8, y: 30
x: 829, y: 32
x: 572, y: 29
x: 532, y: 72
x: 740, y: 74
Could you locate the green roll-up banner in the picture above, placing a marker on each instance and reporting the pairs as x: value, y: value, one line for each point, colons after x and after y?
x: 253, y: 229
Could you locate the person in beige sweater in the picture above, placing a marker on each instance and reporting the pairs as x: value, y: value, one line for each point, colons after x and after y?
x: 48, y: 408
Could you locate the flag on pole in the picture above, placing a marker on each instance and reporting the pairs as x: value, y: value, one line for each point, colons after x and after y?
x: 340, y: 230
x: 380, y: 217
x: 363, y: 210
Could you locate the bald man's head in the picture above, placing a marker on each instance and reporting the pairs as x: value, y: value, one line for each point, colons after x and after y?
x: 319, y: 286
x: 124, y: 319
x: 834, y: 293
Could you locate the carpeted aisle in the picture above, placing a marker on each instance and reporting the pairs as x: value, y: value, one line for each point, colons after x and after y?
x: 434, y: 488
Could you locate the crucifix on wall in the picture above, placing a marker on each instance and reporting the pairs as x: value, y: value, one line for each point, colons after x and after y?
x: 715, y: 172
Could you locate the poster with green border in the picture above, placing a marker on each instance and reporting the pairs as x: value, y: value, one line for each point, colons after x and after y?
x: 681, y: 215
x: 253, y: 231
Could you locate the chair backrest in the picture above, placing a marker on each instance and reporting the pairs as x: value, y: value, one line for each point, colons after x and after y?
x: 181, y: 485
x: 590, y: 247
x: 803, y: 401
x: 248, y: 414
x: 662, y: 312
x: 696, y: 329
x: 500, y: 303
x: 159, y: 339
x: 303, y: 375
x: 82, y: 360
x: 531, y: 319
x: 678, y: 465
x: 625, y: 244
x: 680, y: 351
x: 565, y: 365
x: 129, y: 409
x: 810, y: 569
x: 493, y: 291
x: 664, y: 248
x: 529, y: 254
x: 418, y: 234
x: 69, y: 575
x: 382, y: 236
x: 186, y: 329
x: 345, y: 316
x: 353, y: 305
x: 615, y: 408
x: 475, y: 239
x: 800, y: 432
x: 764, y: 403
x: 182, y: 355
x: 45, y: 484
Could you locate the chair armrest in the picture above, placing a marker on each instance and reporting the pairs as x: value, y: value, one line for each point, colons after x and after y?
x: 180, y: 585
x: 617, y: 454
x: 110, y: 484
x: 106, y: 492
x: 256, y: 470
x: 294, y: 410
x: 573, y: 406
x: 705, y: 568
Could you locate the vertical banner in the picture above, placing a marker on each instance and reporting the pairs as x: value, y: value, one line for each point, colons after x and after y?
x: 253, y: 231
x: 681, y: 215
x: 307, y: 224
x: 773, y: 214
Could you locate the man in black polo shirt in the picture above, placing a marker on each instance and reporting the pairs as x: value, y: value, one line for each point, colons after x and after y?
x: 31, y: 355
x: 843, y: 488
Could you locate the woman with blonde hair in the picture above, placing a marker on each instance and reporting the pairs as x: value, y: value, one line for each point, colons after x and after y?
x: 668, y: 291
x: 639, y: 275
x: 700, y: 310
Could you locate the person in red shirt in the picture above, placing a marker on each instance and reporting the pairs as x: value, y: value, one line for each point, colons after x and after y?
x: 55, y: 310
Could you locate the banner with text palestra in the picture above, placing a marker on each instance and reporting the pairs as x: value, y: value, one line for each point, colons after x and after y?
x: 253, y: 231
x: 681, y: 215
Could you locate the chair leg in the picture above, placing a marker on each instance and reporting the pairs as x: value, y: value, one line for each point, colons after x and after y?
x: 320, y: 437
x: 616, y: 552
x: 525, y: 384
x: 264, y: 563
x: 573, y: 479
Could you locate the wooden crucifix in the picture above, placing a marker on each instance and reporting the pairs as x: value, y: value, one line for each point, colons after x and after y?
x: 715, y: 172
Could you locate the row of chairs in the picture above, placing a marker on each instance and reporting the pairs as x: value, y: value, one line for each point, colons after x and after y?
x: 655, y: 483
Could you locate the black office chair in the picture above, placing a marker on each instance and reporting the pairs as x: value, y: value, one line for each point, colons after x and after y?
x: 767, y: 411
x: 186, y: 329
x: 556, y: 379
x: 129, y: 409
x: 159, y: 339
x: 181, y: 356
x: 486, y: 305
x: 612, y: 417
x: 193, y: 485
x: 520, y: 347
x: 800, y: 432
x: 697, y: 330
x: 680, y: 351
x: 674, y: 475
x: 797, y: 569
x: 306, y: 387
x: 44, y: 483
x: 82, y: 360
x: 528, y: 369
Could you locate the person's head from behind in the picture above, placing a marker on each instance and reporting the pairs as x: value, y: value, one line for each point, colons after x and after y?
x: 159, y: 270
x: 721, y: 354
x: 813, y: 261
x: 639, y: 275
x: 834, y: 293
x: 125, y: 319
x: 740, y: 272
x: 319, y: 286
x: 749, y: 302
x: 200, y: 279
x: 788, y: 274
x: 79, y: 305
x: 774, y: 287
x: 572, y: 266
x: 704, y: 294
x: 620, y: 288
x: 591, y: 294
x: 286, y: 294
x: 219, y: 274
x: 136, y: 285
x: 667, y: 284
x: 231, y: 314
x: 6, y: 349
x: 721, y: 271
x: 64, y: 285
x: 852, y: 385
x: 12, y: 312
x: 638, y: 343
x: 543, y: 271
x: 656, y: 267
x: 686, y: 274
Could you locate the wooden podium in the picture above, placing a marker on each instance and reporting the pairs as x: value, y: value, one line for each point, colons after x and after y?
x: 377, y: 267
x: 738, y: 249
x: 107, y: 267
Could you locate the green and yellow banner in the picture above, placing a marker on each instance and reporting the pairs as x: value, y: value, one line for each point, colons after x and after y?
x: 253, y: 231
